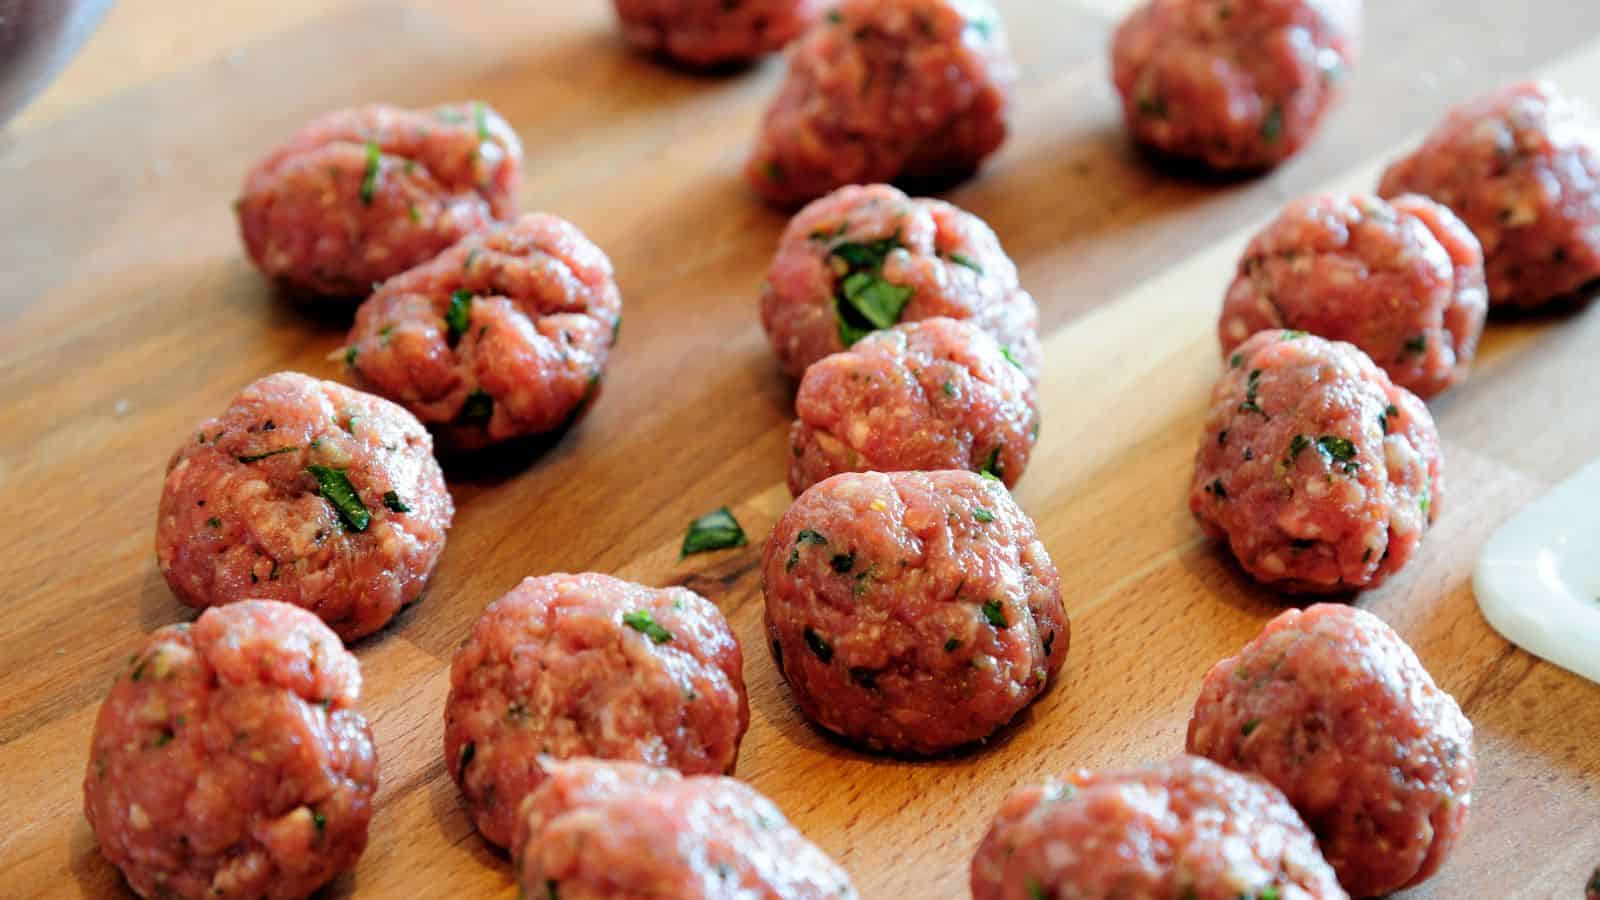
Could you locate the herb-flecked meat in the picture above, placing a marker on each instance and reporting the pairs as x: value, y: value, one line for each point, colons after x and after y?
x: 361, y: 194
x: 308, y: 492
x: 884, y: 90
x: 589, y: 665
x: 598, y: 830
x: 1186, y: 828
x: 921, y: 396
x: 1330, y: 705
x: 865, y: 258
x: 230, y: 761
x: 714, y: 32
x: 1236, y: 85
x: 1319, y: 472
x: 1521, y: 166
x: 1403, y: 281
x: 504, y: 335
x: 912, y: 612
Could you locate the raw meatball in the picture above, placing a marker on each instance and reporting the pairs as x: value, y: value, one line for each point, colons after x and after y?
x: 1236, y: 85
x: 1331, y: 706
x: 912, y: 612
x: 1521, y: 166
x: 1319, y: 472
x: 1404, y: 282
x: 935, y: 394
x: 880, y: 90
x: 714, y: 32
x: 1186, y: 828
x: 504, y: 335
x: 588, y: 665
x: 865, y: 258
x: 308, y: 492
x: 362, y: 194
x: 596, y: 830
x: 230, y: 761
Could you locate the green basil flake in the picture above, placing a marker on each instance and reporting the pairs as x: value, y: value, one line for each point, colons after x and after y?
x: 716, y: 530
x: 1294, y: 335
x: 478, y: 408
x: 335, y: 487
x: 820, y: 647
x: 1417, y: 345
x: 1298, y: 446
x: 257, y: 457
x: 1036, y: 890
x: 991, y: 476
x: 1237, y: 360
x: 867, y: 256
x: 967, y: 261
x: 393, y: 501
x: 414, y: 214
x: 993, y: 467
x: 1336, y: 448
x: 996, y: 614
x: 1152, y: 106
x: 459, y: 316
x: 552, y: 889
x: 1249, y: 727
x: 1270, y: 892
x: 1272, y: 125
x: 835, y: 17
x: 319, y: 820
x: 480, y: 117
x: 350, y: 354
x: 641, y: 621
x: 951, y: 645
x: 807, y: 536
x: 843, y: 562
x: 949, y: 388
x: 1006, y: 352
x: 369, y: 181
x: 982, y: 515
x: 878, y: 301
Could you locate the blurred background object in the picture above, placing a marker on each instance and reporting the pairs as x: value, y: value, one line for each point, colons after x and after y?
x: 37, y: 38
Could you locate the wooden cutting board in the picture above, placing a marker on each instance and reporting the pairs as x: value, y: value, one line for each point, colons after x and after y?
x: 130, y: 314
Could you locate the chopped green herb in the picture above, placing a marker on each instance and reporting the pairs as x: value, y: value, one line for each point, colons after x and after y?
x: 369, y: 181
x: 480, y: 118
x: 478, y: 408
x: 414, y: 214
x: 350, y: 354
x: 993, y: 466
x: 459, y: 316
x: 1337, y: 449
x: 807, y: 536
x: 1006, y: 352
x: 257, y: 457
x: 1268, y: 893
x: 1152, y: 106
x: 991, y: 476
x: 335, y: 487
x: 843, y: 562
x: 395, y: 504
x: 835, y: 17
x: 1298, y: 446
x: 949, y: 389
x: 641, y: 621
x: 1247, y: 728
x: 1391, y: 411
x: 716, y: 530
x: 820, y: 647
x: 552, y: 890
x: 1294, y: 335
x: 774, y: 171
x: 319, y: 820
x: 1237, y: 360
x: 1427, y: 501
x: 967, y: 261
x: 952, y: 645
x: 472, y: 257
x: 983, y: 27
x: 996, y: 614
x: 1272, y: 125
x: 1417, y: 345
x: 866, y: 301
x: 213, y: 522
x: 1036, y: 890
x: 982, y: 515
x: 876, y: 300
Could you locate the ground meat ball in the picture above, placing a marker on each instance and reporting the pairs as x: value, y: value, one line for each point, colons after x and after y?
x: 864, y: 258
x: 229, y: 759
x: 912, y: 612
x: 1319, y: 472
x: 880, y: 90
x: 597, y: 830
x: 588, y: 665
x: 1237, y: 85
x: 1331, y: 706
x: 1404, y: 282
x: 504, y: 335
x: 308, y: 492
x: 1186, y: 828
x: 935, y: 394
x: 362, y: 194
x: 1521, y: 166
x: 714, y: 32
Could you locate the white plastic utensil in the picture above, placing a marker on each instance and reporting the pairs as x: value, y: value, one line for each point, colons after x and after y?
x: 1538, y: 582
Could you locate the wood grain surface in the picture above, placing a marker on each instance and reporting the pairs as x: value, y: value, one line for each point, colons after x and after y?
x: 130, y: 314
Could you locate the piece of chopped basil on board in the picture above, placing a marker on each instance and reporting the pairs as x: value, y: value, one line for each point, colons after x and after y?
x: 716, y: 530
x: 335, y: 487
